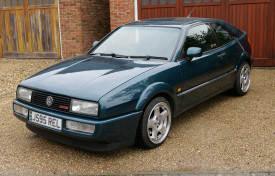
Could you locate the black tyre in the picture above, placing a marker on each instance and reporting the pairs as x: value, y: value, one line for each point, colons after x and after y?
x: 243, y: 79
x: 155, y: 123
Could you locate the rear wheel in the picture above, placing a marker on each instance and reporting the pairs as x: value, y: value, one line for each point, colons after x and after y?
x: 155, y: 123
x: 243, y: 79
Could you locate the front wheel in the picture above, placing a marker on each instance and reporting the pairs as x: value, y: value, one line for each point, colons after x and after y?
x: 243, y: 79
x: 155, y: 123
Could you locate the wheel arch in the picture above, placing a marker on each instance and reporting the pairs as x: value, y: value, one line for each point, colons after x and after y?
x: 244, y: 57
x: 156, y: 90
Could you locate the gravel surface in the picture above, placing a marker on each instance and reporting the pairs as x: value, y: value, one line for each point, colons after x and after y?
x: 225, y: 133
x: 12, y: 72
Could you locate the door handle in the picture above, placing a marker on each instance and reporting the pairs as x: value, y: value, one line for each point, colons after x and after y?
x: 221, y: 55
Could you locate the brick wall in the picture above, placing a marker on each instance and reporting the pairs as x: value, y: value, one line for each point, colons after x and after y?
x: 81, y: 23
x: 121, y: 12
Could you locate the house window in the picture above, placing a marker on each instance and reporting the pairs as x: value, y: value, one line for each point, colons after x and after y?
x: 44, y: 2
x: 153, y: 2
x: 41, y: 2
x: 157, y: 2
x: 171, y: 1
x: 11, y: 3
x: 167, y: 1
x: 196, y: 1
x: 1, y: 3
x: 7, y: 3
x: 144, y: 2
x: 162, y: 1
x: 20, y: 2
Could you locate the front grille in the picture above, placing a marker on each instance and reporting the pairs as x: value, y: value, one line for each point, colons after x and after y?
x: 39, y: 99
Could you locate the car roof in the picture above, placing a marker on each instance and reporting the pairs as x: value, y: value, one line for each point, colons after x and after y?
x: 172, y: 21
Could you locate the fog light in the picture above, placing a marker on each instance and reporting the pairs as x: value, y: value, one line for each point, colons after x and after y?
x: 77, y: 126
x: 20, y: 110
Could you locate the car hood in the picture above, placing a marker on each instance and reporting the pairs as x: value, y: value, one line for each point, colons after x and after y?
x: 88, y: 77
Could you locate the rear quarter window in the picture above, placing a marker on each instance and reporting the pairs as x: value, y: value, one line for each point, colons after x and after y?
x: 235, y: 31
x: 223, y: 35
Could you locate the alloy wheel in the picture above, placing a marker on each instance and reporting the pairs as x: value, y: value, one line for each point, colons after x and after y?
x: 159, y: 122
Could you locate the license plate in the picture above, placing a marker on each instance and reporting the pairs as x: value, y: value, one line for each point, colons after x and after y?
x: 45, y: 120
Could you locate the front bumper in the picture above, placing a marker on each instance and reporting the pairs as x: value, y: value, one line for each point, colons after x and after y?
x: 109, y: 134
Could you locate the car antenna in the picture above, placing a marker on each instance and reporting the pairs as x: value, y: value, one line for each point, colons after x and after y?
x: 193, y: 9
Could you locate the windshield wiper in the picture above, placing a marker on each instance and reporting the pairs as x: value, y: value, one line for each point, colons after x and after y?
x: 111, y: 54
x: 150, y: 57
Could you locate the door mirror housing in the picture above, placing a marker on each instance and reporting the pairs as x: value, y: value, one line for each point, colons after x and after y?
x: 193, y: 52
x: 95, y: 43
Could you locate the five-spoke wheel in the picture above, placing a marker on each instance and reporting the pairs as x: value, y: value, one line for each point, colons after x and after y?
x: 155, y: 123
x: 243, y: 79
x: 159, y: 122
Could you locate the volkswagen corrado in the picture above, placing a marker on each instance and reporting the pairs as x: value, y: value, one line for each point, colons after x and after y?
x: 128, y: 88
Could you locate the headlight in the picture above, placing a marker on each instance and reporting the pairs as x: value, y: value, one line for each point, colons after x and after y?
x: 84, y: 107
x: 24, y: 94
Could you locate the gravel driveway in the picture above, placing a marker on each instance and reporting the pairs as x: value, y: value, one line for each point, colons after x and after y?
x: 225, y: 133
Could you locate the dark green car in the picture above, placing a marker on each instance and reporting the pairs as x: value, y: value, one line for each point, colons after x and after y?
x: 128, y: 88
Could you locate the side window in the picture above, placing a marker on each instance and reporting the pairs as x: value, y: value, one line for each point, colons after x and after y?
x: 222, y: 34
x: 200, y: 36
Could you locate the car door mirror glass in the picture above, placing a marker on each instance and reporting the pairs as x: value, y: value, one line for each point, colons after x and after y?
x: 95, y: 43
x: 193, y: 52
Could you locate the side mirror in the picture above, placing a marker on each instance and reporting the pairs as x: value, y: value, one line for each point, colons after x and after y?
x: 193, y: 52
x: 95, y: 43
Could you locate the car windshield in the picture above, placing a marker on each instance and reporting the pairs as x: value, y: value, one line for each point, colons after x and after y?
x: 152, y: 42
